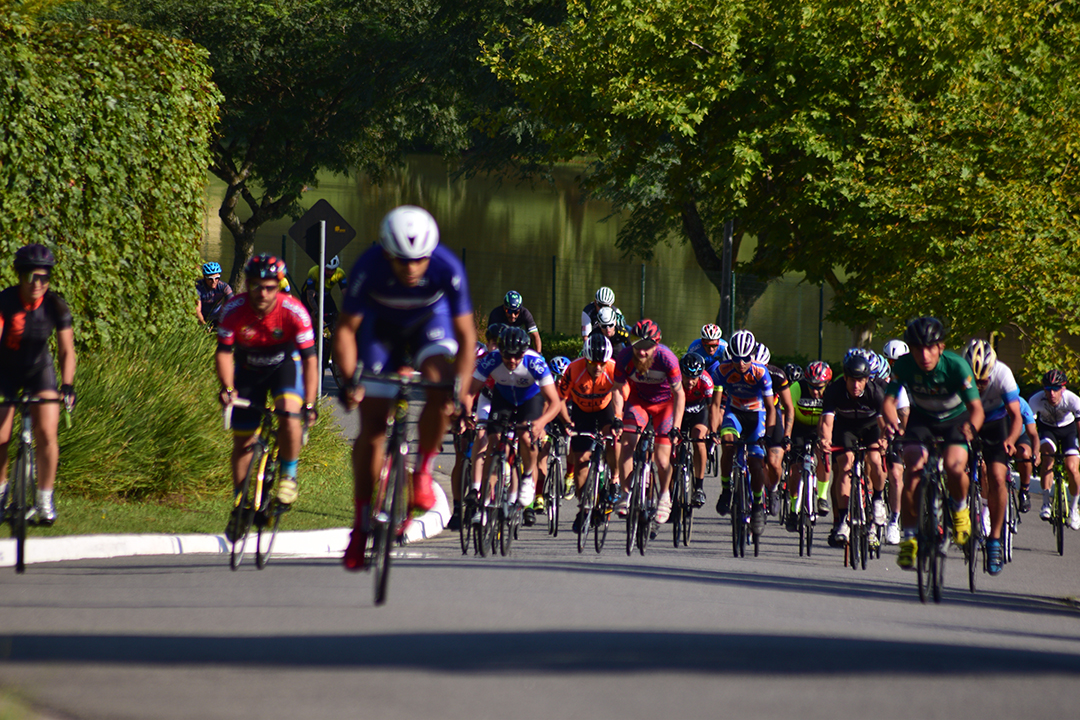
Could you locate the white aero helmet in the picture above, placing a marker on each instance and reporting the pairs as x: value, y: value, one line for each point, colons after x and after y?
x: 762, y: 354
x: 605, y: 296
x: 605, y: 317
x: 895, y: 348
x: 333, y: 263
x: 409, y: 232
x: 742, y: 345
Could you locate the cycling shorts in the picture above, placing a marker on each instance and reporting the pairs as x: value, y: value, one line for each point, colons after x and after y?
x: 636, y: 417
x: 746, y: 425
x: 848, y: 434
x: 1058, y: 438
x: 993, y: 434
x: 1024, y: 439
x: 775, y: 439
x: 385, y: 347
x: 284, y: 380
x: 800, y: 432
x: 695, y: 415
x: 504, y: 412
x: 592, y: 422
x: 34, y: 383
x: 921, y: 430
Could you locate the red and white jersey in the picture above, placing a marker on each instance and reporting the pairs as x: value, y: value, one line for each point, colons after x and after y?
x: 265, y: 341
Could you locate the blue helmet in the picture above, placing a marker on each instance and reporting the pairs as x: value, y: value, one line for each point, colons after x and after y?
x: 512, y: 301
x: 211, y: 268
x: 559, y: 365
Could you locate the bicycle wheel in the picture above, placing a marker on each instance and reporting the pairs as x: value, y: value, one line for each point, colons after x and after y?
x: 687, y: 515
x: 22, y: 478
x: 506, y: 514
x: 388, y: 521
x: 590, y: 494
x: 974, y: 543
x: 603, y: 520
x: 633, y: 511
x: 467, y: 509
x: 267, y: 520
x: 1059, y: 513
x: 243, y: 498
x: 1012, y: 517
x: 737, y: 538
x: 678, y: 495
x: 556, y: 475
x: 646, y: 525
x: 495, y: 510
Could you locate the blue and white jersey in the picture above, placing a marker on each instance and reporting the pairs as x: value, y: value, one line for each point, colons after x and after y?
x: 374, y: 289
x: 517, y: 385
x: 1001, y: 390
x: 1027, y: 415
x: 697, y: 347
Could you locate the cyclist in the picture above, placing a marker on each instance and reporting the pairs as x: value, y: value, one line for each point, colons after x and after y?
x: 701, y: 417
x: 1056, y: 411
x: 709, y: 346
x: 893, y: 350
x: 607, y: 325
x: 266, y: 344
x: 588, y: 385
x: 779, y: 440
x: 558, y: 425
x: 1027, y: 454
x: 332, y: 275
x: 656, y: 395
x: 408, y: 295
x: 1000, y: 397
x: 749, y: 414
x: 851, y: 416
x: 605, y: 297
x: 513, y: 313
x: 806, y: 394
x: 212, y: 293
x: 944, y: 403
x: 524, y: 393
x: 461, y: 448
x: 29, y: 313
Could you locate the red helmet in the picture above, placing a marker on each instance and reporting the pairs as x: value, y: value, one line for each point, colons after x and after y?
x: 646, y: 330
x: 265, y: 266
x: 818, y: 373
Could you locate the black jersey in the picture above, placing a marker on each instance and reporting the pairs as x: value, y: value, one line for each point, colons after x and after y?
x: 867, y: 406
x: 25, y: 330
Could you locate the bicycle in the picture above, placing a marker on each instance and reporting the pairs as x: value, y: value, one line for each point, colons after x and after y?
x: 712, y: 456
x: 556, y: 478
x: 682, y: 490
x: 465, y: 441
x: 975, y: 549
x: 934, y: 526
x: 807, y: 497
x: 644, y: 495
x: 1012, y: 514
x: 22, y: 483
x: 497, y: 522
x: 858, y: 547
x: 1059, y: 506
x: 390, y: 509
x: 741, y: 505
x: 597, y: 496
x: 253, y: 497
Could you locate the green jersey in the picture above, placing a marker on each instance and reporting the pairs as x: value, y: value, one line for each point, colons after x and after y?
x: 939, y: 395
x: 807, y: 409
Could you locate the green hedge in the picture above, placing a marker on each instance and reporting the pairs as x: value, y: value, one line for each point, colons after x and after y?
x: 104, y: 144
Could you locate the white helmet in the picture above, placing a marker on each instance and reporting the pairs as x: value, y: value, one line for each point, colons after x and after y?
x: 333, y: 263
x: 409, y: 232
x: 597, y: 349
x: 605, y: 317
x: 895, y: 348
x: 711, y: 332
x: 605, y: 296
x: 762, y: 355
x: 742, y: 345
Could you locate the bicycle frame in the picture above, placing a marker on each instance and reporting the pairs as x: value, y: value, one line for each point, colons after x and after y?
x: 22, y: 481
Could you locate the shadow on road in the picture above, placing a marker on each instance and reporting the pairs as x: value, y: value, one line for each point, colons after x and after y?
x: 548, y: 651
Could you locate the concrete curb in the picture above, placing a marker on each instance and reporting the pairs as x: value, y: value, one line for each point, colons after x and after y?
x: 298, y: 543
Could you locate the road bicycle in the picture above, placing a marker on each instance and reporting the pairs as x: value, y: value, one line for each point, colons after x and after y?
x: 22, y: 481
x: 555, y: 481
x: 465, y: 442
x: 859, y: 547
x: 741, y: 501
x: 1012, y: 514
x: 806, y: 502
x: 644, y: 494
x: 598, y: 496
x: 253, y: 502
x: 975, y: 549
x: 1059, y: 504
x: 496, y: 521
x: 682, y: 489
x: 935, y: 526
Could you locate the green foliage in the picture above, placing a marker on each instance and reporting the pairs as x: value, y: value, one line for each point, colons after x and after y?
x: 103, y: 137
x: 148, y: 424
x: 919, y: 156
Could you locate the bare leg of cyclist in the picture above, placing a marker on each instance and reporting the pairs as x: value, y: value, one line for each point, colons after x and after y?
x: 434, y: 419
x: 7, y: 418
x: 367, y: 461
x: 997, y: 496
x: 46, y: 419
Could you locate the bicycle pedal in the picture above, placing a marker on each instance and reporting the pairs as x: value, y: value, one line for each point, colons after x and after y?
x: 381, y: 517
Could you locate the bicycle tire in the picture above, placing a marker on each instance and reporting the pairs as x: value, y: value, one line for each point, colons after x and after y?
x: 273, y: 511
x: 465, y: 529
x: 647, y: 509
x: 22, y: 477
x: 677, y: 504
x: 589, y: 502
x: 556, y: 473
x: 494, y: 512
x: 687, y: 522
x: 736, y: 509
x: 394, y: 506
x: 601, y: 531
x: 505, y: 514
x: 632, y: 512
x: 242, y: 521
x: 974, y: 544
x: 1059, y: 513
x: 1012, y: 516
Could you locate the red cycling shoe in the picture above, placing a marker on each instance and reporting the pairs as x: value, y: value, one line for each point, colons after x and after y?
x: 423, y: 495
x: 354, y: 554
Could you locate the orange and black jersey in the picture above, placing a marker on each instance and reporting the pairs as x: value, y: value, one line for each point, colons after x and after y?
x: 25, y: 330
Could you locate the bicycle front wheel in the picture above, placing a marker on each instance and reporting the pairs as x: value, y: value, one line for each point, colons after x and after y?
x: 633, y: 511
x: 1059, y: 511
x: 244, y: 505
x: 555, y: 478
x: 387, y: 522
x: 465, y: 529
x: 21, y: 481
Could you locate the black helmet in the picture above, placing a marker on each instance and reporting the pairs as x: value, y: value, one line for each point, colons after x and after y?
x: 34, y: 255
x: 1054, y: 379
x: 924, y: 331
x: 692, y: 365
x: 493, y: 331
x: 794, y: 373
x: 513, y: 341
x: 597, y: 349
x: 857, y: 366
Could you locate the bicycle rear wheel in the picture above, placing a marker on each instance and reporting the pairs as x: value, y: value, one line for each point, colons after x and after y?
x: 603, y: 521
x: 1059, y: 513
x: 553, y: 492
x: 243, y: 498
x: 21, y: 480
x: 387, y: 522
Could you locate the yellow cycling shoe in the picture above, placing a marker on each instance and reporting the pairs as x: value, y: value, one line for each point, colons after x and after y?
x: 909, y: 552
x: 961, y: 522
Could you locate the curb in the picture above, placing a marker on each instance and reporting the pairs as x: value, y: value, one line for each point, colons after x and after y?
x: 297, y: 543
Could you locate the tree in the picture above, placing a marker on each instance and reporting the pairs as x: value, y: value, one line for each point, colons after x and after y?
x: 879, y: 147
x: 103, y: 137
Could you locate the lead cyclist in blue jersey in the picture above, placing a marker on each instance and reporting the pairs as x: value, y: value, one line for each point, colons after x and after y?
x: 407, y: 301
x: 524, y: 393
x: 709, y: 346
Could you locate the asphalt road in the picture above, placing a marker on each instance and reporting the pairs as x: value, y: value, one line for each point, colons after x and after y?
x: 546, y: 633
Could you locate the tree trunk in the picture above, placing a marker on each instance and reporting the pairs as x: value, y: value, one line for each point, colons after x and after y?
x: 863, y: 334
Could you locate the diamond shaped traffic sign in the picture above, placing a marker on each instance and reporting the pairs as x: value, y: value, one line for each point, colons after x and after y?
x: 306, y: 231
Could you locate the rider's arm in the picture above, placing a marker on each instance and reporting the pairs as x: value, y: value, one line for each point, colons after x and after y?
x: 198, y: 310
x: 1016, y: 424
x: 223, y: 360
x: 552, y: 404
x: 465, y: 362
x: 679, y: 396
x: 975, y: 408
x: 825, y: 428
x: 345, y: 353
x: 789, y: 411
x: 770, y: 412
x: 888, y: 411
x: 716, y: 410
x: 311, y: 379
x: 536, y: 340
x: 65, y: 349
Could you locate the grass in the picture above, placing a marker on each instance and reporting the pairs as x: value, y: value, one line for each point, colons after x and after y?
x: 146, y: 452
